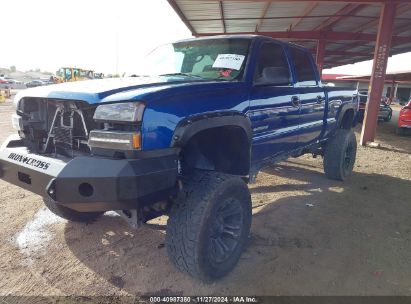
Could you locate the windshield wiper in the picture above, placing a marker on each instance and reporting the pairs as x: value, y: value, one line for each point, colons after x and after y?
x: 182, y: 74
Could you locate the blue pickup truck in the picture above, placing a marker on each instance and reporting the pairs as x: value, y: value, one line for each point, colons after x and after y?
x: 182, y: 138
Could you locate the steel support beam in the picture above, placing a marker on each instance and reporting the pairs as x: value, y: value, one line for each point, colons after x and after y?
x: 392, y: 90
x: 316, y: 16
x: 344, y: 53
x: 308, y: 9
x: 349, y: 9
x: 330, y: 1
x: 401, y: 9
x: 395, y: 90
x: 222, y: 16
x: 261, y: 20
x: 317, y: 35
x: 381, y: 54
x: 320, y: 55
x: 177, y: 9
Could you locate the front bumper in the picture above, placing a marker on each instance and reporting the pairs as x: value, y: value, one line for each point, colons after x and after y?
x: 88, y: 183
x: 384, y: 113
x: 381, y: 114
x: 404, y: 121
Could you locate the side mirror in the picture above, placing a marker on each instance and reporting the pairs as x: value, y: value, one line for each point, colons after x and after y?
x: 274, y: 76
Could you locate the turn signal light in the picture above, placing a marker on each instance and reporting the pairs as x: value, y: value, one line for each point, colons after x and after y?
x: 137, y: 140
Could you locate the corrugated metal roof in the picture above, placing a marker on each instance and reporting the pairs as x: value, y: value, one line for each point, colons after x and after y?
x: 297, y: 20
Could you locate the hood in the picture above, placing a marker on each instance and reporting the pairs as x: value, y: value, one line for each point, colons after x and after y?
x: 110, y: 90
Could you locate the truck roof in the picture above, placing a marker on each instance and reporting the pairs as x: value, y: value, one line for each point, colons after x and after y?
x: 241, y: 36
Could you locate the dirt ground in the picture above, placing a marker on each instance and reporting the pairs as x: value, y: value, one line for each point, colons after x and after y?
x: 310, y: 236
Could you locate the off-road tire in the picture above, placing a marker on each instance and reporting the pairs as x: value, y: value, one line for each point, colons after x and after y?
x: 195, y: 218
x: 360, y: 119
x: 70, y: 214
x: 388, y: 118
x: 339, y: 155
x: 400, y: 131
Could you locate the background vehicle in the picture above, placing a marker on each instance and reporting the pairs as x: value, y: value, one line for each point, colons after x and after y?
x: 55, y: 79
x: 404, y: 119
x: 13, y: 81
x: 98, y: 75
x: 48, y: 82
x: 34, y: 83
x: 7, y: 80
x: 385, y: 112
x: 183, y: 142
x: 69, y: 74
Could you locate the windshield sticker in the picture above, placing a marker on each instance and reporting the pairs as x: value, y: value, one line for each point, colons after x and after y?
x: 229, y: 61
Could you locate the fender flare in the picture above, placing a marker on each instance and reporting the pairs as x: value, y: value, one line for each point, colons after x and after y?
x: 344, y: 108
x: 192, y: 125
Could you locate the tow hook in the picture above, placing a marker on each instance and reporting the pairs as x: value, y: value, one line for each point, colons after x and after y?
x: 131, y: 217
x: 51, y: 189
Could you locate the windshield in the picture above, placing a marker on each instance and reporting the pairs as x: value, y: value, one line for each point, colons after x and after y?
x: 223, y: 59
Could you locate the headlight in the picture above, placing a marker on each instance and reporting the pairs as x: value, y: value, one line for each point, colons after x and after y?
x: 16, y: 100
x: 120, y: 112
x: 17, y: 122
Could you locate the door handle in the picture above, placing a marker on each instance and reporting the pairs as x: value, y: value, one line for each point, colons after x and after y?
x: 295, y: 101
x: 320, y: 99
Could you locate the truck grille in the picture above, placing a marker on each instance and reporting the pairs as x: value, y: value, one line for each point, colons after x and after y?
x: 54, y: 126
x: 63, y: 137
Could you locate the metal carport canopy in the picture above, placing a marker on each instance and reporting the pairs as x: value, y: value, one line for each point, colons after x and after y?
x: 348, y: 28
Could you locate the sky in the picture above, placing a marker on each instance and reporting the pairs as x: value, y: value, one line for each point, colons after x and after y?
x: 104, y: 35
x: 49, y: 34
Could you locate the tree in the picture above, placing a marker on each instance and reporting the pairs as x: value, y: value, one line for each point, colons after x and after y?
x: 13, y: 68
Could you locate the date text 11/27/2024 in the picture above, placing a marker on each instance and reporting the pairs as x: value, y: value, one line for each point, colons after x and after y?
x: 204, y: 299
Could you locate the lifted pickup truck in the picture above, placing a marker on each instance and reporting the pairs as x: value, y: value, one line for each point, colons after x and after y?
x: 183, y: 141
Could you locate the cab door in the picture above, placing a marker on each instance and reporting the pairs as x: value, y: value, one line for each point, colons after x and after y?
x: 274, y: 104
x: 311, y: 94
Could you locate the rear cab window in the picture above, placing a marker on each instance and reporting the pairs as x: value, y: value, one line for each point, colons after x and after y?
x: 305, y: 73
x: 272, y: 59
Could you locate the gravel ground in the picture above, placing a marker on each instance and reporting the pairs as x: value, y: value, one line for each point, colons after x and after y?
x: 310, y: 236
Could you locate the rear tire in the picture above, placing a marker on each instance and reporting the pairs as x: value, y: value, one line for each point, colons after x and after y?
x: 400, y: 131
x: 209, y: 224
x: 340, y: 154
x: 361, y: 119
x: 70, y: 214
x: 388, y: 118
